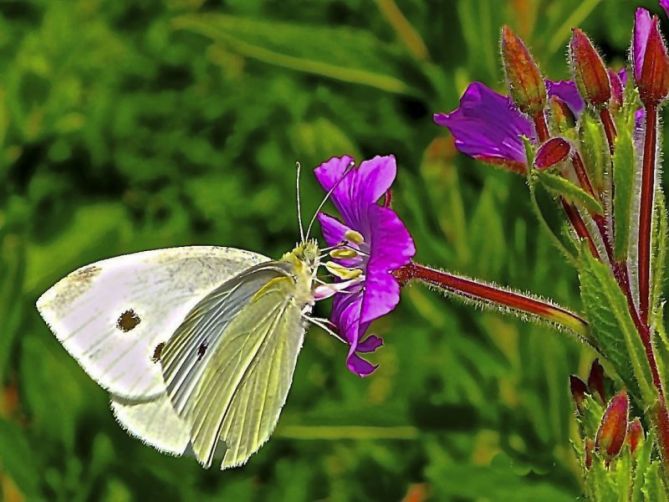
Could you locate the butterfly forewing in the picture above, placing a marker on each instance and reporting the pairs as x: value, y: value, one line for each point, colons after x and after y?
x: 229, y: 366
x: 112, y: 315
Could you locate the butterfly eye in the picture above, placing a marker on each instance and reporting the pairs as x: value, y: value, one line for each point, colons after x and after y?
x: 128, y: 321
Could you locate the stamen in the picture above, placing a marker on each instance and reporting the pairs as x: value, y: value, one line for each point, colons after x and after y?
x: 344, y: 253
x: 354, y: 237
x: 342, y: 272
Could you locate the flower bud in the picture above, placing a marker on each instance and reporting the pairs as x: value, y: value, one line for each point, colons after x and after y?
x: 562, y: 115
x: 613, y: 427
x: 651, y: 63
x: 617, y: 90
x: 578, y: 390
x: 635, y: 434
x: 590, y: 74
x: 551, y: 153
x: 596, y: 380
x: 589, y: 447
x: 524, y: 80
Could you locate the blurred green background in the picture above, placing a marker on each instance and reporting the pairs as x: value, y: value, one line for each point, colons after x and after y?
x: 129, y: 125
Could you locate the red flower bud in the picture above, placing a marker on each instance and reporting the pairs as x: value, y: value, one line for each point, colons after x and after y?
x: 524, y: 80
x: 634, y: 434
x: 653, y: 79
x: 561, y: 113
x: 578, y: 390
x: 613, y: 427
x: 596, y: 380
x: 617, y: 90
x: 552, y: 152
x: 590, y: 74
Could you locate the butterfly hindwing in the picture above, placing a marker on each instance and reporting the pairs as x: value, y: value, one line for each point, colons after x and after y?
x: 229, y: 366
x: 113, y: 315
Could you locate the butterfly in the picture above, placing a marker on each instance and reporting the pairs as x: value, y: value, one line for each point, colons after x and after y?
x: 196, y: 345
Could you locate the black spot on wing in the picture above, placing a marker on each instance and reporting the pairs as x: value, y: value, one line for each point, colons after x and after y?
x: 202, y: 350
x: 128, y: 321
x: 157, y: 351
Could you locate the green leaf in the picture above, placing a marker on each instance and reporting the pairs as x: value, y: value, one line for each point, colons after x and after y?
x: 593, y: 149
x: 590, y: 416
x: 565, y: 188
x: 344, y: 54
x: 641, y: 464
x: 653, y: 487
x: 613, y: 328
x: 17, y: 459
x: 659, y: 246
x: 623, y: 176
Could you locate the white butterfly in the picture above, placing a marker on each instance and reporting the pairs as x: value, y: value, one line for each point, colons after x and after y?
x: 196, y: 345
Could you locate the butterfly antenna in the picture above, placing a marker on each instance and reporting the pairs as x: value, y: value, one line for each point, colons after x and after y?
x: 298, y: 167
x: 348, y: 169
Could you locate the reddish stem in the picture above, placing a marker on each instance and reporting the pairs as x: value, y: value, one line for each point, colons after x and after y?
x: 646, y: 210
x: 582, y: 175
x: 491, y: 294
x: 572, y: 213
x: 609, y: 128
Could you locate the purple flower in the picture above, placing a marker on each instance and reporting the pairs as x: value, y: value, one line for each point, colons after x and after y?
x: 487, y: 126
x: 642, y: 27
x: 665, y: 5
x: 385, y: 245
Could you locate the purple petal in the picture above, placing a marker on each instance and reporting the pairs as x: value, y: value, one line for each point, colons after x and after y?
x: 488, y: 127
x: 665, y: 5
x: 391, y: 247
x: 370, y: 344
x: 361, y: 187
x: 642, y: 25
x: 360, y: 366
x: 332, y: 229
x: 566, y: 90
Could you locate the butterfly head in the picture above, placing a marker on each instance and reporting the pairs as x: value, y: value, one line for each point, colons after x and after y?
x: 305, y: 258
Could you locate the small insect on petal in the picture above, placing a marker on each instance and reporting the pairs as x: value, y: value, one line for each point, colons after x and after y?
x: 613, y: 427
x: 551, y: 153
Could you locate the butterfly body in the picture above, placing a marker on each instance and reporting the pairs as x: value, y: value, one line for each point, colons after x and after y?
x: 197, y: 346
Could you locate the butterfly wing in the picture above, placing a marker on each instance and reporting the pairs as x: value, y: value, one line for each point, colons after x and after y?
x: 229, y: 366
x: 154, y: 422
x: 112, y: 315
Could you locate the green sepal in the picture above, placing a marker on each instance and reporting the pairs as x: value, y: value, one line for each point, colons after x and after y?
x: 570, y: 191
x: 659, y: 248
x: 600, y: 484
x: 642, y: 458
x: 623, y: 176
x: 621, y: 468
x: 594, y: 149
x: 589, y: 416
x: 653, y: 486
x: 613, y: 328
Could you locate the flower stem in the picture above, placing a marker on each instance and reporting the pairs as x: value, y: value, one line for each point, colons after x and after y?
x: 471, y: 289
x: 646, y: 210
x: 570, y: 210
x: 609, y: 128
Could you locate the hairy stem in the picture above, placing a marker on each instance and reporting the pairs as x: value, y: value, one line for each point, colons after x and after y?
x: 471, y: 289
x: 646, y: 210
x: 609, y: 128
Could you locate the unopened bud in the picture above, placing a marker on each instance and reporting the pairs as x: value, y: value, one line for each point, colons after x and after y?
x: 589, y: 447
x: 590, y: 74
x: 578, y: 390
x: 562, y: 115
x: 613, y: 427
x: 524, y: 80
x: 651, y: 63
x: 596, y: 380
x: 617, y: 90
x: 635, y: 434
x: 551, y: 153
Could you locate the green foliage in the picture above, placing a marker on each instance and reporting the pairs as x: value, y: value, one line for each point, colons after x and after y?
x: 569, y: 191
x: 623, y: 177
x: 130, y: 125
x: 613, y: 328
